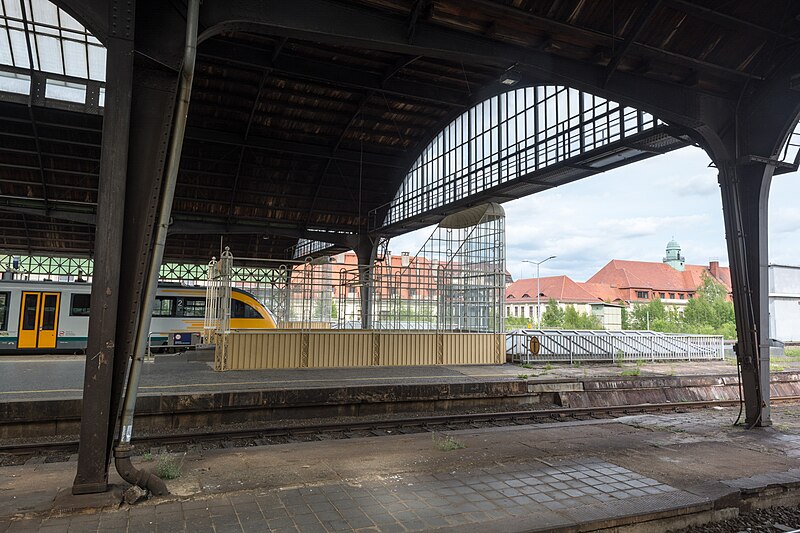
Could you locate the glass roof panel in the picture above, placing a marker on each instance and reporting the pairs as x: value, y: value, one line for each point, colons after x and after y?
x: 15, y: 83
x: 58, y: 43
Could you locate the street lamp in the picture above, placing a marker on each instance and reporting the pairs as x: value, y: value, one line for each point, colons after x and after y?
x: 538, y: 290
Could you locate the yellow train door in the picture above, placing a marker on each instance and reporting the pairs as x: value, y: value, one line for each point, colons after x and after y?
x: 29, y: 320
x: 48, y: 319
x: 38, y: 320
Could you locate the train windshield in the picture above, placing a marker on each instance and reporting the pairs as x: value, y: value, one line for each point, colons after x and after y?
x: 240, y: 309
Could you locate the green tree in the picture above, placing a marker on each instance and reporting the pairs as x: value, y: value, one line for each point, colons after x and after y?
x: 710, y: 309
x: 708, y: 313
x: 553, y: 316
x: 574, y: 319
x: 517, y: 322
x: 651, y: 312
x: 626, y: 322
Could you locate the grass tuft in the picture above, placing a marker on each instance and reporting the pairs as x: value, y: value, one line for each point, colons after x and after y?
x: 631, y: 372
x: 167, y: 467
x: 446, y: 443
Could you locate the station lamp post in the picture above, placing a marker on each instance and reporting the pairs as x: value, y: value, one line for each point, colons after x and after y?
x: 538, y: 290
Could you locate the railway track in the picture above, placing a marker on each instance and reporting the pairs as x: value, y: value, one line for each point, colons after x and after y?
x: 255, y: 436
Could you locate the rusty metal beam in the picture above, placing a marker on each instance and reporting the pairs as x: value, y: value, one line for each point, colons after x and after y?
x: 99, y: 415
x: 643, y: 18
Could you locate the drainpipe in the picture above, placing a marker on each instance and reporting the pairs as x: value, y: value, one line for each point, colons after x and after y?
x: 123, y: 450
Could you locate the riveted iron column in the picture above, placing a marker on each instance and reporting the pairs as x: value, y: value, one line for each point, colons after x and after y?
x: 98, y: 417
x: 745, y: 194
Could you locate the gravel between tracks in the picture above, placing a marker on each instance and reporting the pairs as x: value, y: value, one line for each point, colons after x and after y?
x: 761, y: 521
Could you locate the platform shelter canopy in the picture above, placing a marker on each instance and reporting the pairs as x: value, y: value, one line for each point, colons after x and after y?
x: 318, y: 119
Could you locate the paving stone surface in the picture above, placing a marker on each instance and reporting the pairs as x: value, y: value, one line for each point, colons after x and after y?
x: 504, y: 480
x: 401, y: 503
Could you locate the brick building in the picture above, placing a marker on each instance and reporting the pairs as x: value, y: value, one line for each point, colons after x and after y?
x: 619, y: 283
x: 672, y: 280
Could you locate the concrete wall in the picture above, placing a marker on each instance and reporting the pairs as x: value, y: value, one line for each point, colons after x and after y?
x: 784, y: 303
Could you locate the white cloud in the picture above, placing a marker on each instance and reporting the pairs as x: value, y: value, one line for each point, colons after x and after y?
x: 631, y: 213
x: 705, y: 184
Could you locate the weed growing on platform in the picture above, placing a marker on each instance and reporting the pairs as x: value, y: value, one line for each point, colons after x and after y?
x: 548, y: 367
x: 167, y: 467
x: 446, y: 443
x: 775, y: 368
x: 631, y: 372
x: 639, y: 362
x: 792, y: 353
x: 522, y: 376
x: 147, y: 456
x: 576, y: 364
x: 527, y: 365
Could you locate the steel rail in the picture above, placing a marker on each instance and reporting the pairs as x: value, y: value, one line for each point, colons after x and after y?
x: 426, y: 423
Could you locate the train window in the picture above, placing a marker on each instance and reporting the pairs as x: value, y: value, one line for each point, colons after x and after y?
x: 164, y: 306
x: 192, y: 307
x: 4, y: 301
x: 240, y: 309
x: 80, y: 305
x: 29, y: 311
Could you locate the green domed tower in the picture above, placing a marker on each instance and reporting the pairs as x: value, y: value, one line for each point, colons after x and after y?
x: 674, y: 257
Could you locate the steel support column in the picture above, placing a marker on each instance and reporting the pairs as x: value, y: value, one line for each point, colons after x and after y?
x: 98, y: 418
x: 135, y: 146
x: 745, y: 197
x: 366, y: 253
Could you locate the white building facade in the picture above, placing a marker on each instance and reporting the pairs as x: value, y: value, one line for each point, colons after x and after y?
x: 784, y: 303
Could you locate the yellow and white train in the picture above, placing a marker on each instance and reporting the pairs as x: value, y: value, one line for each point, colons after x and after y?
x: 49, y: 317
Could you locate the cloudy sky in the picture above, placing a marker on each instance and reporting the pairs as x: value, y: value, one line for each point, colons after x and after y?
x: 631, y: 213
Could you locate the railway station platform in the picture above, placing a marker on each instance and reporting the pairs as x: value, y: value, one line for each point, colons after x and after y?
x: 60, y: 377
x: 40, y: 397
x: 653, y: 472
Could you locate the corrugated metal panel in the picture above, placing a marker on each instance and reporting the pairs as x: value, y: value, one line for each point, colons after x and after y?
x: 469, y: 348
x: 407, y: 348
x: 305, y: 325
x: 251, y: 350
x: 337, y: 349
x: 264, y: 349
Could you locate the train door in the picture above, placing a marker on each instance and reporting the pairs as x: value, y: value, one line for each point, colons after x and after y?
x: 38, y: 320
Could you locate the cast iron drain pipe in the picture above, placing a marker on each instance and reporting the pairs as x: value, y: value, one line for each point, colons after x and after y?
x: 123, y: 450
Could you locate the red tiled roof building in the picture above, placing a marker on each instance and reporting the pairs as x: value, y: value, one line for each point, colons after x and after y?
x: 672, y: 280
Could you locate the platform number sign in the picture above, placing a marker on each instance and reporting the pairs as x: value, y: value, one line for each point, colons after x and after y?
x: 535, y: 345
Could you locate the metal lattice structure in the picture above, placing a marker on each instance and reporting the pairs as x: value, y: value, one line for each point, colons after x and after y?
x: 561, y: 346
x: 455, y: 283
x: 790, y: 153
x: 509, y: 142
x: 40, y: 268
x: 47, y: 54
x: 218, y: 297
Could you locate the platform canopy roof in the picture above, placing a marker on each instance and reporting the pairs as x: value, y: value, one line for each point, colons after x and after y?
x: 297, y: 132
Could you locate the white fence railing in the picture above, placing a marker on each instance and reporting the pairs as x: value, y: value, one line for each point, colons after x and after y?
x: 569, y: 346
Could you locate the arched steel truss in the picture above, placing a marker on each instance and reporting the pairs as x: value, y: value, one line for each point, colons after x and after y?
x: 509, y: 142
x: 790, y: 153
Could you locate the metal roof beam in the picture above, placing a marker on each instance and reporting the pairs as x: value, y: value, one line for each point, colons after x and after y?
x: 40, y: 210
x: 211, y: 226
x: 351, y: 25
x: 275, y: 53
x: 297, y: 148
x: 643, y: 17
x: 331, y: 73
x: 728, y: 21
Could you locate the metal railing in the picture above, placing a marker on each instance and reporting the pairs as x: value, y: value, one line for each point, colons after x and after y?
x: 570, y: 346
